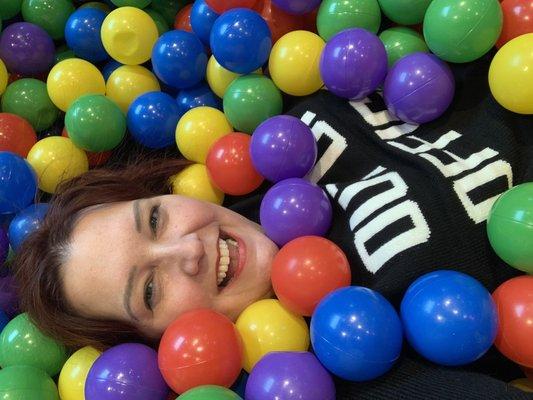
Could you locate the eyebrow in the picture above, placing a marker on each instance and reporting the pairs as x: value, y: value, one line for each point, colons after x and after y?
x: 127, y: 293
x: 137, y: 215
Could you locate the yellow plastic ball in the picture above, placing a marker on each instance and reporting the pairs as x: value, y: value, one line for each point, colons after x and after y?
x: 72, y: 379
x: 523, y: 384
x: 294, y: 63
x: 267, y: 326
x: 511, y: 75
x: 193, y: 181
x: 198, y: 129
x: 3, y: 77
x: 219, y: 78
x: 55, y: 159
x: 72, y: 78
x: 128, y: 82
x: 128, y: 35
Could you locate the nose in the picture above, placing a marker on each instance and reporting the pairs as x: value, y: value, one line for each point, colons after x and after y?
x: 184, y: 252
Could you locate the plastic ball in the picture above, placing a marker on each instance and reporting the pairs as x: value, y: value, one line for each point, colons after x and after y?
x: 219, y: 78
x: 4, y: 320
x: 95, y: 123
x: 23, y: 382
x: 290, y: 375
x: 401, y: 41
x: 82, y: 34
x: 305, y: 270
x: 449, y: 318
x: 168, y: 8
x: 160, y: 22
x: 353, y: 63
x: 279, y: 22
x: 152, y: 119
x: 462, y: 31
x: 26, y: 222
x: 109, y: 68
x: 127, y: 371
x: 201, y: 347
x: 294, y: 63
x: 194, y: 182
x: 198, y: 129
x: 63, y: 53
x: 72, y: 78
x: 26, y: 49
x: 510, y: 227
x: 514, y: 302
x: 293, y: 208
x: 517, y: 20
x: 74, y: 373
x: 511, y: 75
x: 21, y: 343
x: 49, y: 15
x: 9, y: 8
x: 18, y: 186
x: 335, y: 16
x: 132, y: 3
x: 405, y: 12
x: 16, y: 134
x: 128, y: 82
x: 183, y: 19
x: 283, y: 147
x: 98, y: 5
x: 128, y: 35
x: 9, y: 293
x: 202, y: 18
x: 95, y: 159
x: 419, y: 88
x: 230, y: 167
x: 240, y: 40
x: 56, y: 159
x: 3, y: 77
x: 197, y: 96
x: 251, y: 99
x: 179, y: 59
x: 267, y: 326
x: 297, y: 7
x: 221, y: 6
x: 356, y: 333
x: 210, y: 392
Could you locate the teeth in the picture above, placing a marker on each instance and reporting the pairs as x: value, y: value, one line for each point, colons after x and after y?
x: 224, y: 260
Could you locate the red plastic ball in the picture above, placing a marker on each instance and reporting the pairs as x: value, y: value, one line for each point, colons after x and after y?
x: 230, y: 167
x: 201, y: 347
x: 95, y: 159
x: 16, y: 134
x: 305, y: 270
x: 280, y: 22
x: 220, y: 6
x: 514, y: 302
x: 183, y: 19
x: 517, y: 20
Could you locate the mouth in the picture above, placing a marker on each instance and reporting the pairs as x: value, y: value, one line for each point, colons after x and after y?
x: 230, y: 260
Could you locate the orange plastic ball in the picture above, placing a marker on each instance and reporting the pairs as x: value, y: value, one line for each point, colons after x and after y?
x: 183, y: 19
x: 517, y: 20
x: 16, y: 134
x: 280, y: 22
x: 305, y: 270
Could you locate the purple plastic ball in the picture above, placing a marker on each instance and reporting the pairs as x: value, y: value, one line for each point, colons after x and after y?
x: 419, y: 88
x: 353, y: 63
x: 290, y: 375
x: 283, y: 147
x: 127, y: 372
x: 293, y: 208
x: 297, y: 7
x: 27, y: 49
x: 9, y: 302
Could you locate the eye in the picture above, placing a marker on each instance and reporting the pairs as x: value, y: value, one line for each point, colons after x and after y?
x: 154, y: 218
x: 148, y: 293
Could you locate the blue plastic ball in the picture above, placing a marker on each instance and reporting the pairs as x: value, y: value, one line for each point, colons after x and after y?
x: 82, y: 33
x: 356, y: 333
x: 179, y: 59
x: 18, y: 183
x: 152, y: 119
x: 241, y: 40
x: 4, y: 320
x: 26, y: 222
x: 198, y: 96
x: 202, y: 19
x: 449, y: 317
x: 109, y: 68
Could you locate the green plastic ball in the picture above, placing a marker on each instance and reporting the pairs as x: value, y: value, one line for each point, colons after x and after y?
x: 169, y: 8
x: 95, y: 123
x: 131, y: 3
x: 405, y: 12
x: 401, y: 41
x: 462, y: 31
x: 250, y: 100
x: 337, y: 15
x: 210, y: 392
x: 9, y: 8
x: 62, y: 53
x: 159, y: 20
x: 510, y: 227
x: 51, y: 15
x: 29, y: 99
x: 21, y: 343
x: 24, y: 382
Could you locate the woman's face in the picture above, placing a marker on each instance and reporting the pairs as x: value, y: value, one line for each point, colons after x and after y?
x: 149, y: 260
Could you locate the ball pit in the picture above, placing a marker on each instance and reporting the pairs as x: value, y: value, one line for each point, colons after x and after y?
x: 132, y: 3
x: 210, y: 392
x: 82, y: 34
x: 4, y: 250
x: 71, y: 383
x: 219, y: 78
x: 279, y: 22
x: 193, y: 181
x: 202, y: 18
x: 63, y: 53
x: 16, y: 134
x: 517, y: 20
x: 183, y: 19
x: 8, y: 293
x: 26, y: 222
x: 109, y: 68
x: 19, y: 183
x: 49, y: 15
x: 23, y: 382
x: 405, y: 12
x: 221, y: 6
x: 9, y: 8
x: 297, y: 7
x: 197, y: 96
x: 3, y: 77
x: 95, y: 159
x: 105, y: 7
x: 160, y: 22
x: 168, y: 8
x: 400, y: 42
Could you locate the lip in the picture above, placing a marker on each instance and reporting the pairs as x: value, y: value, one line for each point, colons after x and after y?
x: 242, y: 259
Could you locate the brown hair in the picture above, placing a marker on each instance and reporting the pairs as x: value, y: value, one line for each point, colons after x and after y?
x: 38, y: 262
